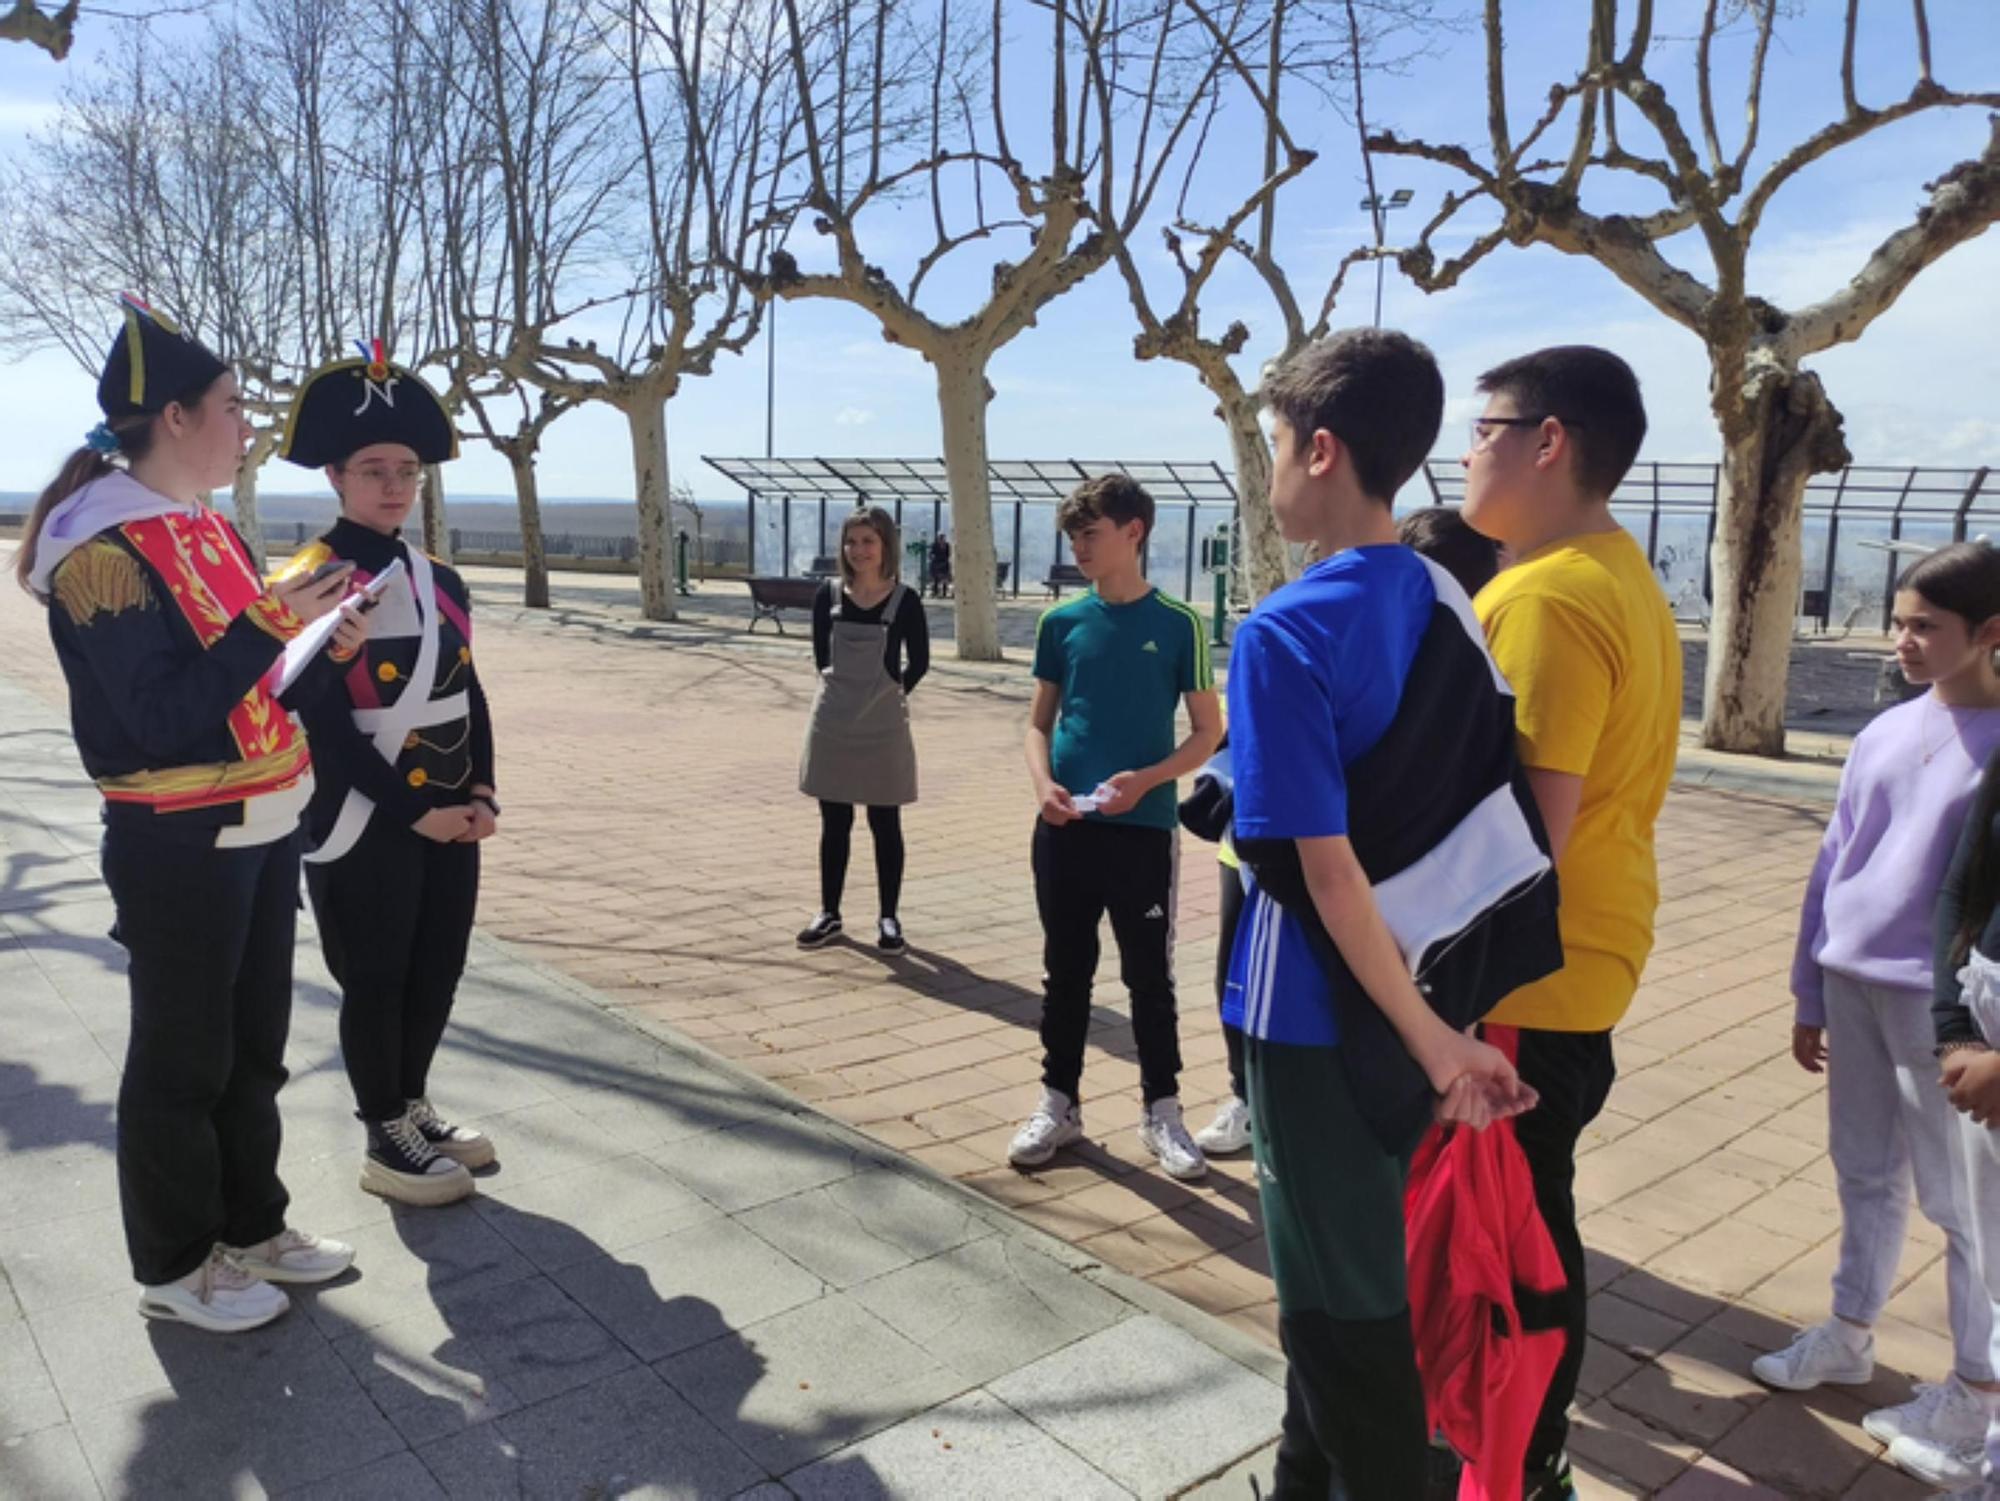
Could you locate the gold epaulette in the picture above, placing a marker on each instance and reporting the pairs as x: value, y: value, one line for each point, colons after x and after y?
x: 305, y: 560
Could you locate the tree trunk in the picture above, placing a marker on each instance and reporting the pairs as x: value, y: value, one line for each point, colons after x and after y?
x: 534, y: 551
x: 962, y: 398
x: 437, y: 533
x: 1780, y: 431
x: 243, y: 497
x: 647, y: 419
x: 1264, y: 564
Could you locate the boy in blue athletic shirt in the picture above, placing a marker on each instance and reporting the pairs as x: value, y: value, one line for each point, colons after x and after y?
x: 1372, y: 749
x: 1110, y: 668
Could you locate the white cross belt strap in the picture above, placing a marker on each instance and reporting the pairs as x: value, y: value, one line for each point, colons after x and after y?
x: 393, y: 725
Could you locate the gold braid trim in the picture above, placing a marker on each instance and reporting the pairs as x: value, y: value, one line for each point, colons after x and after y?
x: 101, y: 578
x: 273, y: 618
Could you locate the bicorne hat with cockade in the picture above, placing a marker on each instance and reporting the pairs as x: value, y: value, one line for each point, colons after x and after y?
x: 348, y: 405
x: 151, y: 363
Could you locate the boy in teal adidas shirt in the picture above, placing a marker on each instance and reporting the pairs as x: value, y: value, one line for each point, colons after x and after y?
x: 1110, y: 668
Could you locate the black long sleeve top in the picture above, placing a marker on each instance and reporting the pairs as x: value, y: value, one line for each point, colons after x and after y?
x: 147, y: 698
x: 438, y: 765
x: 1950, y: 1016
x: 906, y: 656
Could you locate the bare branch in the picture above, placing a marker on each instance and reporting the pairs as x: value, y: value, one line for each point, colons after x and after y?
x: 1704, y: 76
x: 1964, y: 203
x: 1847, y: 97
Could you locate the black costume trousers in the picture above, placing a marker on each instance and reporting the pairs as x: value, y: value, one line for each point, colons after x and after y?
x: 1085, y: 870
x: 209, y: 934
x: 395, y: 918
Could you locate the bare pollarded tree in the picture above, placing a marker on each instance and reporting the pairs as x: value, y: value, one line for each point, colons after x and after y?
x: 693, y: 145
x: 1688, y: 257
x: 180, y: 213
x: 1301, y: 60
x: 1057, y: 136
x: 513, y: 224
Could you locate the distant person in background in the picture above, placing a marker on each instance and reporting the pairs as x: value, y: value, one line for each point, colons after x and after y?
x: 872, y: 646
x: 941, y: 566
x: 1442, y: 534
x: 406, y: 792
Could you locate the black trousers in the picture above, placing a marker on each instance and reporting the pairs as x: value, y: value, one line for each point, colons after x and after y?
x: 1573, y: 1072
x: 395, y: 918
x: 209, y: 934
x: 1228, y: 916
x: 1083, y: 871
x: 836, y: 844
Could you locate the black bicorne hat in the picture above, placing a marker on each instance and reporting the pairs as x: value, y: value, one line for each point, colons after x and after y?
x: 348, y: 405
x: 152, y: 362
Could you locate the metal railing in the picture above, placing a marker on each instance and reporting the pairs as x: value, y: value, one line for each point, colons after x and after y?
x: 1851, y: 518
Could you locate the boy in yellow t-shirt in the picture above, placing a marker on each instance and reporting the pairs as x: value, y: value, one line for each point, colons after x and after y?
x: 1583, y: 633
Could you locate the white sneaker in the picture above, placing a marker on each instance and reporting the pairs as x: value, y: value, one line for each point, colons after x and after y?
x: 1229, y: 1131
x: 1825, y: 1352
x: 1949, y: 1411
x: 218, y: 1295
x: 294, y: 1256
x: 1940, y: 1463
x: 1057, y: 1122
x: 1163, y: 1133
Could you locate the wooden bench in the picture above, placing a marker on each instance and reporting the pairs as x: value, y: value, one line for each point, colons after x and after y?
x: 770, y: 595
x: 1064, y: 576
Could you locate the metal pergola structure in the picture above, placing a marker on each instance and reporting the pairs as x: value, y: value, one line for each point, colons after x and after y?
x: 832, y: 487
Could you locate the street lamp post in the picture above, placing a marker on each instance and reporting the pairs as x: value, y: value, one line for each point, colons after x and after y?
x: 1379, y: 209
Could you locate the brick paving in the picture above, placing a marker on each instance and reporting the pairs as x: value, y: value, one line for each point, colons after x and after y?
x: 656, y: 849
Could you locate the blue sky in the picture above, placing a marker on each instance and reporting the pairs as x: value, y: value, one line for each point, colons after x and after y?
x: 1923, y: 386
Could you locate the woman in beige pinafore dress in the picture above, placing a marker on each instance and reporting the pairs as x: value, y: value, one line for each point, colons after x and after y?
x: 871, y: 643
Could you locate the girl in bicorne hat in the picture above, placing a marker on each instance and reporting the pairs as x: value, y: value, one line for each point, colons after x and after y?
x: 405, y: 790
x: 171, y: 647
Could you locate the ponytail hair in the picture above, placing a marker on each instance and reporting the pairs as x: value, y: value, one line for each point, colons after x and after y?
x: 116, y: 443
x: 1982, y: 871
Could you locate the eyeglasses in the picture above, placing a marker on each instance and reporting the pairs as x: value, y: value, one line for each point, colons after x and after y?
x: 1482, y: 433
x: 382, y: 476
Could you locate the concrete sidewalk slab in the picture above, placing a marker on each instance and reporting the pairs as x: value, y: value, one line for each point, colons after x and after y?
x: 679, y: 1280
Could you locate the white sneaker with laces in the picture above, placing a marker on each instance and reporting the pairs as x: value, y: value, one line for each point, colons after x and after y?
x: 218, y: 1296
x: 1948, y: 1410
x: 1163, y: 1133
x: 294, y: 1256
x: 1229, y: 1131
x: 1822, y: 1353
x: 1939, y: 1462
x: 1057, y: 1122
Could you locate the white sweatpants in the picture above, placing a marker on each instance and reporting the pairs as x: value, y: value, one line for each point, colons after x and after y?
x: 1889, y: 1126
x: 1980, y: 1160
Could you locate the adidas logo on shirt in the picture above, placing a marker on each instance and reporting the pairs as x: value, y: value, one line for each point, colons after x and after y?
x: 1152, y: 646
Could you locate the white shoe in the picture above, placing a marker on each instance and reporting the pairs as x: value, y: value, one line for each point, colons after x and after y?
x: 1163, y: 1133
x: 1228, y: 1132
x: 462, y: 1144
x: 294, y: 1256
x: 1941, y: 1464
x: 1057, y: 1122
x: 1823, y: 1353
x: 218, y: 1295
x: 1949, y: 1412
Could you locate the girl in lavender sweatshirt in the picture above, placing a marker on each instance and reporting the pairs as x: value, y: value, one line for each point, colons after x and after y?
x: 1862, y: 980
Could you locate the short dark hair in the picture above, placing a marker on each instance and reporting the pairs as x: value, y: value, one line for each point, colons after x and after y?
x: 1377, y: 390
x: 1963, y: 578
x: 1117, y: 498
x: 1595, y: 396
x: 1441, y: 534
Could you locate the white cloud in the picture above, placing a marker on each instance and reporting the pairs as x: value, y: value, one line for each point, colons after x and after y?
x: 853, y: 417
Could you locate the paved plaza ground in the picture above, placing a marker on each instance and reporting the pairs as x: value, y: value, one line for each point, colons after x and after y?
x: 656, y: 854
